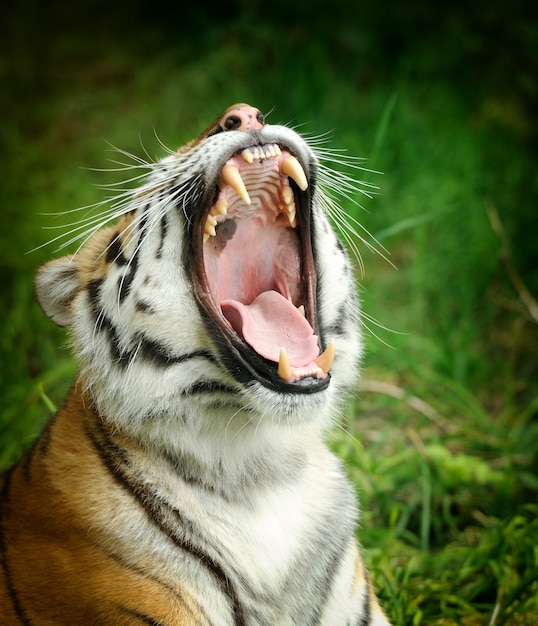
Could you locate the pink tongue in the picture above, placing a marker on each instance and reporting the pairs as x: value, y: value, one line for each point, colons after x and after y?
x: 271, y: 322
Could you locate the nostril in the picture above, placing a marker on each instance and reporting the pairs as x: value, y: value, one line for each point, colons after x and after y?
x: 232, y: 122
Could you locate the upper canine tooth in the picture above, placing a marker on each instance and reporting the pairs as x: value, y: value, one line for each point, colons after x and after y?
x: 292, y: 168
x: 325, y: 360
x: 230, y: 176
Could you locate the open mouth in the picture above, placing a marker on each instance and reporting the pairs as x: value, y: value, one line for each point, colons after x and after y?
x: 255, y: 270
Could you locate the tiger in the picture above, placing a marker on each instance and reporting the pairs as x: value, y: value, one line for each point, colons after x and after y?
x: 186, y: 479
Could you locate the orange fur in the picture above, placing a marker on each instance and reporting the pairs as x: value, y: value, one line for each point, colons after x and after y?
x: 59, y: 573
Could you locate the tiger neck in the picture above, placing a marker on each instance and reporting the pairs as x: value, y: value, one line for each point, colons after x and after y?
x: 256, y: 456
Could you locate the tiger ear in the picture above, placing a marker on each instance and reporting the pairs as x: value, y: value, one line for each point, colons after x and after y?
x: 57, y: 283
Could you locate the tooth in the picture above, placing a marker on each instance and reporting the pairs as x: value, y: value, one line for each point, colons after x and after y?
x: 210, y: 229
x: 292, y: 168
x: 221, y: 207
x: 211, y: 220
x: 301, y: 310
x: 292, y: 212
x: 284, y: 369
x: 325, y: 360
x: 247, y: 155
x: 287, y: 195
x: 278, y: 151
x: 231, y: 176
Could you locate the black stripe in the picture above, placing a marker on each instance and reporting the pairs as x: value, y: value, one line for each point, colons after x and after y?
x: 137, y: 570
x: 114, y: 252
x: 164, y: 231
x: 116, y: 461
x: 125, y: 282
x: 203, y: 558
x: 209, y: 387
x: 146, y: 349
x: 324, y: 585
x: 157, y: 354
x: 144, y: 619
x: 4, y: 559
x: 189, y: 196
x: 26, y: 461
x: 340, y: 246
x: 337, y: 327
x: 94, y: 295
x: 144, y: 307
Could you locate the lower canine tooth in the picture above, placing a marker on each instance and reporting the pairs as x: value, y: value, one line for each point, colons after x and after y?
x: 230, y: 176
x: 292, y: 168
x: 292, y: 215
x: 284, y: 369
x: 325, y: 360
x: 287, y: 195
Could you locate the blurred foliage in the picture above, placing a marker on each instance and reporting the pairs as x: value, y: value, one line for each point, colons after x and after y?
x: 442, y: 437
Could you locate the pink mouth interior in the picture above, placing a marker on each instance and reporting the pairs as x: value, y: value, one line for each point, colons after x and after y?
x: 253, y: 266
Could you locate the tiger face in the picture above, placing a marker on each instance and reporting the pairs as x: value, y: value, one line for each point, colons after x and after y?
x: 222, y: 286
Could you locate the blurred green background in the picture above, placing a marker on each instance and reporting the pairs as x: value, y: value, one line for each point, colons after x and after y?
x: 441, y: 437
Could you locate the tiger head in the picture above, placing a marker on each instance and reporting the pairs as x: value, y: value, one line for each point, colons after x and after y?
x: 221, y: 298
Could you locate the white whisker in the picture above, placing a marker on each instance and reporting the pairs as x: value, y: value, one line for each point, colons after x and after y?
x: 365, y: 322
x: 228, y: 424
x: 167, y: 150
x: 337, y: 185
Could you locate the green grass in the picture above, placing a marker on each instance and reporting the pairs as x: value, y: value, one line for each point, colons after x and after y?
x: 441, y: 437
